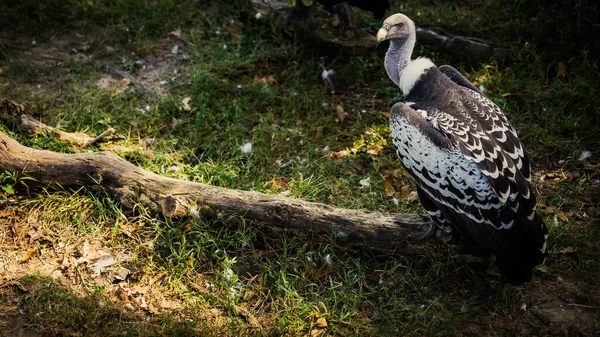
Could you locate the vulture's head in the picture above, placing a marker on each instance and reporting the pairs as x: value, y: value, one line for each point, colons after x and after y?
x: 396, y: 27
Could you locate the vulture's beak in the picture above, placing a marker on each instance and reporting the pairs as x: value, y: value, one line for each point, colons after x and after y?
x: 382, y: 34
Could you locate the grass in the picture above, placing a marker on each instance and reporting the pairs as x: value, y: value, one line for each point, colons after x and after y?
x: 249, y: 83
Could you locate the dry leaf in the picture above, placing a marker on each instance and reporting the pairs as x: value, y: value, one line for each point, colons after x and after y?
x: 561, y: 71
x: 105, y: 82
x: 249, y: 296
x: 406, y: 195
x: 340, y: 114
x: 266, y: 80
x: 591, y: 168
x: 279, y: 183
x: 37, y: 235
x: 568, y: 250
x: 29, y: 255
x: 316, y: 332
x: 169, y: 304
x: 122, y: 273
x: 374, y: 149
x: 102, y: 262
x: 340, y: 154
x: 250, y: 318
x: 120, y: 295
x: 564, y: 216
x: 386, y: 114
x: 124, y: 83
x: 321, y: 323
x: 481, y: 79
x: 358, y: 165
x: 13, y: 283
x: 81, y: 47
x: 89, y: 252
x: 176, y: 33
x: 186, y: 104
x: 388, y: 183
x: 234, y: 31
x: 156, y: 278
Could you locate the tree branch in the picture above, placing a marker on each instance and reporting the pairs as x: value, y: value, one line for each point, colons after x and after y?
x: 326, y: 28
x: 132, y: 186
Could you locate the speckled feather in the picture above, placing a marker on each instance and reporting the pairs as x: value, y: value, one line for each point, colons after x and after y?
x: 472, y: 170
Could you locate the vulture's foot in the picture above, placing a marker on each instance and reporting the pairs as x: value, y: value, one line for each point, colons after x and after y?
x: 428, y: 224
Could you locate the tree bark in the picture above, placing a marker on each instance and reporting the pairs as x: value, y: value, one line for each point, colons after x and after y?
x: 326, y: 28
x: 133, y: 187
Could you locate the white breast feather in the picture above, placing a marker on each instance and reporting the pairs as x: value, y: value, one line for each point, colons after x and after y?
x: 417, y: 151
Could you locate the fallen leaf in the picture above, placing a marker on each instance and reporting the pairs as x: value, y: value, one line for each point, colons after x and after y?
x: 81, y: 47
x: 561, y: 71
x: 122, y: 273
x: 249, y: 296
x: 169, y: 304
x: 340, y: 114
x: 481, y: 79
x: 266, y: 80
x: 234, y: 31
x: 321, y: 323
x: 591, y: 168
x: 29, y: 255
x: 186, y: 104
x: 105, y: 82
x: 492, y: 271
x: 176, y: 33
x: 358, y: 165
x: 406, y: 195
x: 35, y: 235
x: 123, y: 83
x: 388, y: 183
x: 568, y: 250
x: 340, y: 154
x: 548, y: 208
x: 250, y: 318
x: 385, y: 114
x: 316, y: 332
x: 374, y: 149
x: 120, y: 295
x: 564, y: 216
x: 13, y: 283
x: 156, y: 278
x: 102, y: 262
x: 89, y: 252
x: 279, y: 183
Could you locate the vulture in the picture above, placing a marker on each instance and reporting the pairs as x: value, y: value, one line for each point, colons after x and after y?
x: 472, y: 172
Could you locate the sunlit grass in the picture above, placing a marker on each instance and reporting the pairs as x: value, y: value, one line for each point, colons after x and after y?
x: 248, y: 83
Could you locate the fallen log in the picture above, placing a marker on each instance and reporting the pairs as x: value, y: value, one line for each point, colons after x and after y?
x: 327, y: 28
x: 133, y: 187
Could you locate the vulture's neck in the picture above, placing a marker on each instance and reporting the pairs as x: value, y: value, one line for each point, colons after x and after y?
x: 403, y: 71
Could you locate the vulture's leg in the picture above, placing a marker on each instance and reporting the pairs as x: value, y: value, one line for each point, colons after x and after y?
x: 346, y: 14
x: 429, y: 224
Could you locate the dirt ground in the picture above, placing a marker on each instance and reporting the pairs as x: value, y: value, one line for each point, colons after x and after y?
x: 552, y: 307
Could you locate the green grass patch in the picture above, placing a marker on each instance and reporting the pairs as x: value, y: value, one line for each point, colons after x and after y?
x: 244, y: 82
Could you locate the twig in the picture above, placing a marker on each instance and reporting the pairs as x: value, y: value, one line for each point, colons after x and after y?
x: 583, y: 306
x: 93, y: 141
